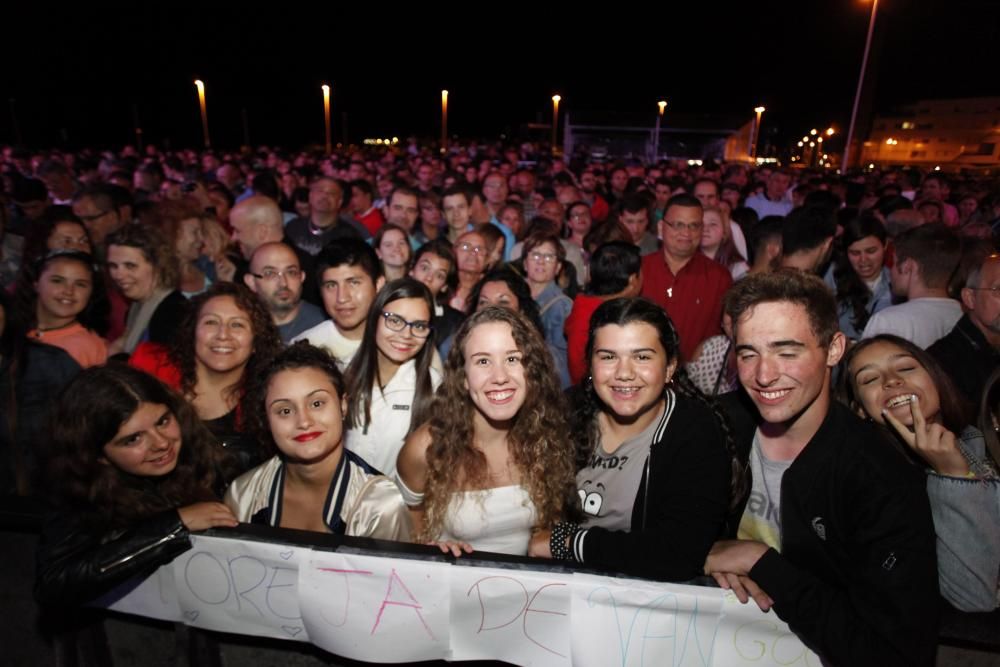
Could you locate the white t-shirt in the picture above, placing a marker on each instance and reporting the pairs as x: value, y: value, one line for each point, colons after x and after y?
x: 391, y: 409
x: 920, y: 321
x: 326, y: 335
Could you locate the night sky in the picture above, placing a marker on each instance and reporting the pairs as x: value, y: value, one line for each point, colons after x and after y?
x: 76, y: 77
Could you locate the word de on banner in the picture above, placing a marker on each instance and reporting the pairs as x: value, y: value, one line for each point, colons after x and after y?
x: 376, y: 609
x: 518, y: 616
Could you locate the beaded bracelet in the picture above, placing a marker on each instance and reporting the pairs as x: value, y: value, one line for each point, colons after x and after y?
x: 560, y: 542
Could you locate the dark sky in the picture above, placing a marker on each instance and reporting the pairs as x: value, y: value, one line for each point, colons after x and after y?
x: 74, y: 77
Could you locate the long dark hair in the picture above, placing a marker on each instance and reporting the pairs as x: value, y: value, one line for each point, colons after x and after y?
x: 266, y: 340
x: 295, y: 356
x: 852, y: 292
x: 586, y: 404
x: 518, y: 286
x: 88, y: 414
x: 362, y: 374
x: 956, y: 413
x: 94, y: 316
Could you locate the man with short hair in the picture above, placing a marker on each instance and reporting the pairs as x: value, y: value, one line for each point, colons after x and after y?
x: 633, y: 214
x: 276, y: 277
x: 971, y: 351
x: 325, y: 222
x: 834, y: 529
x: 257, y: 220
x: 95, y: 207
x: 403, y: 208
x: 523, y: 184
x: 936, y: 188
x: 925, y: 257
x: 682, y: 279
x: 59, y: 182
x: 495, y: 193
x: 599, y: 207
x: 774, y: 199
x: 807, y: 239
x: 348, y: 275
x: 455, y: 204
x: 362, y: 206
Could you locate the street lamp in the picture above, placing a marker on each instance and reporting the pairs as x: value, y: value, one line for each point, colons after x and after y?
x: 857, y: 95
x: 756, y: 132
x: 656, y: 140
x: 326, y: 117
x: 204, y: 112
x: 444, y: 121
x: 555, y: 121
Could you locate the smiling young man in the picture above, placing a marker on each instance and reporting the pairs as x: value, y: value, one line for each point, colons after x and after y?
x: 836, y: 530
x: 349, y: 277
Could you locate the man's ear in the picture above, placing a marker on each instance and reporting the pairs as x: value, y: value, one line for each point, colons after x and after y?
x: 838, y: 345
x: 249, y: 282
x: 380, y: 283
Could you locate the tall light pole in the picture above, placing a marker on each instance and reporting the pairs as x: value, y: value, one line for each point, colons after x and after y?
x: 555, y: 122
x: 326, y: 118
x: 656, y: 140
x: 444, y: 121
x: 845, y: 163
x: 204, y: 113
x: 756, y: 131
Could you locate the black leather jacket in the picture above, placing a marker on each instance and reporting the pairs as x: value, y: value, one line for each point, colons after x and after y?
x: 78, y: 562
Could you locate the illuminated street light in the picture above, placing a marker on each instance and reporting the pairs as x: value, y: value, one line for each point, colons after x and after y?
x: 555, y: 121
x: 204, y: 112
x: 662, y: 104
x: 813, y: 132
x: 326, y: 117
x: 756, y: 131
x: 829, y: 131
x: 444, y: 121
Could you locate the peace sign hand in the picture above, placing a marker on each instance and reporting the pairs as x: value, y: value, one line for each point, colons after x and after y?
x: 932, y: 442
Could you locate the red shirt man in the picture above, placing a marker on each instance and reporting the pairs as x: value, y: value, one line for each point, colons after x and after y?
x: 687, y: 284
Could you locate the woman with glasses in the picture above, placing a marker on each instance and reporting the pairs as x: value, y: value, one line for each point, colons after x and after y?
x: 390, y: 382
x: 543, y: 257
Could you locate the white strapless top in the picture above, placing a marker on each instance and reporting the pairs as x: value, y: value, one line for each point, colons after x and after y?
x: 497, y: 520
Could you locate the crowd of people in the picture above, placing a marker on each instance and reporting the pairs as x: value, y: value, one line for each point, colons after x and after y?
x: 782, y: 381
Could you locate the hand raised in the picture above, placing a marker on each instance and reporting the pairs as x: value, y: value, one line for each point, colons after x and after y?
x: 932, y: 442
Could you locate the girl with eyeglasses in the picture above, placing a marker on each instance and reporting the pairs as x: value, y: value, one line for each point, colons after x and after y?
x: 390, y: 382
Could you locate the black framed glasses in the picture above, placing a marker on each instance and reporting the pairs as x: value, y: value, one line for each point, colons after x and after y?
x: 273, y: 274
x: 420, y: 328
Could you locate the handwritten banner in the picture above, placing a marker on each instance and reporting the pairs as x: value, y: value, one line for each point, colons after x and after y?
x: 748, y: 637
x: 627, y: 622
x: 152, y: 597
x: 399, y: 610
x: 244, y: 587
x: 376, y: 609
x: 517, y: 616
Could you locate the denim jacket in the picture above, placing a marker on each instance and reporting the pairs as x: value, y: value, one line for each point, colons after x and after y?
x: 966, y: 515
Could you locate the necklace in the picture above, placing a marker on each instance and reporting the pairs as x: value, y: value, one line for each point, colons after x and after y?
x: 40, y: 330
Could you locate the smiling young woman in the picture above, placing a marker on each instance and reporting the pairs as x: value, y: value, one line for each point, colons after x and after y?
x: 897, y: 385
x: 657, y: 469
x: 390, y: 382
x: 132, y: 472
x: 494, y: 463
